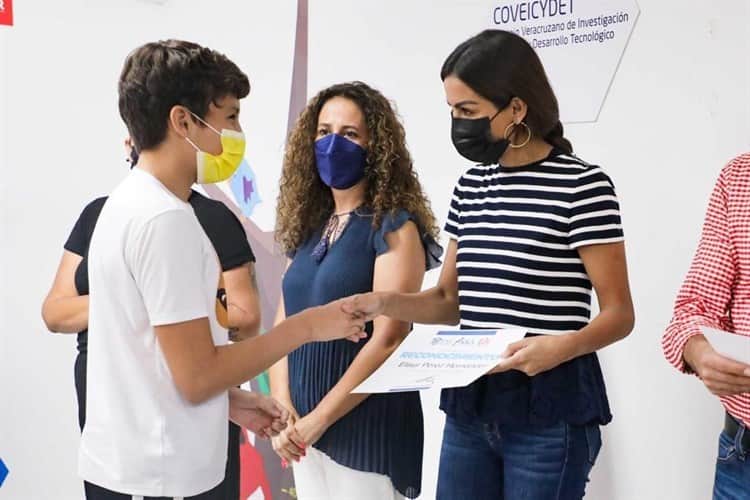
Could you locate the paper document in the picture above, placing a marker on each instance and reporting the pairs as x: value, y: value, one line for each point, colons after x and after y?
x: 430, y: 358
x: 731, y: 345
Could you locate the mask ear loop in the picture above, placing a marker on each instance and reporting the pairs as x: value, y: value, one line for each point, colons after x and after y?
x: 498, y: 112
x: 204, y: 122
x: 489, y: 132
x: 192, y: 143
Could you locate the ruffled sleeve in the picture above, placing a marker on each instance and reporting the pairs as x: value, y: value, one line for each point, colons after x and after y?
x: 393, y: 222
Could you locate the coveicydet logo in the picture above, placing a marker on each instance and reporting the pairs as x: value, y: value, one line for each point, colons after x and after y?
x: 6, y: 12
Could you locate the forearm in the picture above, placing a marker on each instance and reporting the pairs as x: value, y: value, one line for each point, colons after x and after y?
x: 243, y: 301
x: 233, y: 394
x: 234, y: 364
x: 66, y: 314
x: 279, y: 372
x: 610, y: 325
x: 689, y: 315
x: 339, y: 401
x: 434, y: 306
x: 690, y: 351
x: 278, y: 376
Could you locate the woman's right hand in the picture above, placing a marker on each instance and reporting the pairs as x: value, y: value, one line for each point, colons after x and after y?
x: 332, y: 322
x: 283, y: 444
x: 366, y: 305
x: 721, y: 375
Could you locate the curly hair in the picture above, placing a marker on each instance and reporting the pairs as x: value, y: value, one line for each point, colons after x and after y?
x: 304, y: 202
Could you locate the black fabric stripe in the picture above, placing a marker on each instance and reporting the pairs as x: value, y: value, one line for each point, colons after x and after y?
x: 515, y: 219
x: 513, y: 206
x: 466, y: 243
x: 568, y: 182
x: 531, y: 265
x: 524, y: 307
x: 531, y: 324
x: 599, y: 220
x: 598, y: 206
x: 515, y: 233
x: 550, y: 294
x: 528, y: 194
x: 532, y: 279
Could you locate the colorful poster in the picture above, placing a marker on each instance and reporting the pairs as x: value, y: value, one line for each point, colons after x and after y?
x: 245, y: 189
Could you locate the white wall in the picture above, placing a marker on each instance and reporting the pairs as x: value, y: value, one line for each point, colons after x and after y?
x: 677, y: 111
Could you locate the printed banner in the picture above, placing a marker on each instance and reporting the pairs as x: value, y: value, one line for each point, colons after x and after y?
x: 580, y: 43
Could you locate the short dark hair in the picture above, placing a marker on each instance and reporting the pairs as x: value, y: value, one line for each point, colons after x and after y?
x: 500, y: 65
x: 160, y: 75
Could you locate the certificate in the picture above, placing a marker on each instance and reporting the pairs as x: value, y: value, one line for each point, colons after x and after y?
x: 430, y: 358
x: 733, y: 346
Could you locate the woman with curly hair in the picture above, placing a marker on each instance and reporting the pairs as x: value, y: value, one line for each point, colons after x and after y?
x: 353, y: 218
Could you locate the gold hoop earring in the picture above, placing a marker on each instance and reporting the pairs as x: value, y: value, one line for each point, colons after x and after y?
x: 507, y: 134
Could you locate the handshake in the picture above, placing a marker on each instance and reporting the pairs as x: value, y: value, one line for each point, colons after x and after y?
x: 341, y: 319
x: 344, y: 318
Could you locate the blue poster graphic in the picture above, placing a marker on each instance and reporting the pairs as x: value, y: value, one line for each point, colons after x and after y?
x: 245, y: 188
x: 3, y: 472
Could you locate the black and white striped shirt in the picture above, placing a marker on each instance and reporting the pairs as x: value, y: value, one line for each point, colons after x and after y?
x: 518, y: 231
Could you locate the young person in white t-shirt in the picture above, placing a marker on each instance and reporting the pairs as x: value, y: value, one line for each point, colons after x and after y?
x: 161, y: 379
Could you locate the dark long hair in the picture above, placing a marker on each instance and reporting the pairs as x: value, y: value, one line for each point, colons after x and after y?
x: 500, y: 65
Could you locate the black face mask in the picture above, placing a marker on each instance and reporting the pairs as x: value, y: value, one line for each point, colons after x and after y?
x: 473, y: 140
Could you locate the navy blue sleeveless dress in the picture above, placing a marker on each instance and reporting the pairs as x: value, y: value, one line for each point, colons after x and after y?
x: 383, y: 434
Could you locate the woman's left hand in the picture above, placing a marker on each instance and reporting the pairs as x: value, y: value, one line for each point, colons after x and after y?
x: 534, y: 355
x: 309, y: 428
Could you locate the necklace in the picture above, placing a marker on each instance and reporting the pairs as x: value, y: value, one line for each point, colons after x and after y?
x: 335, y: 227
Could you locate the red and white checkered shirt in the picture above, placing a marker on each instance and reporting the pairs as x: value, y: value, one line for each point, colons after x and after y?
x: 716, y: 291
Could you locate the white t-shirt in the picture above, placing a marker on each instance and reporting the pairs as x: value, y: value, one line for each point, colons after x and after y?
x: 150, y: 264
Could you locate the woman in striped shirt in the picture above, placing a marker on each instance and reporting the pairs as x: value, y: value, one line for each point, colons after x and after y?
x: 533, y: 229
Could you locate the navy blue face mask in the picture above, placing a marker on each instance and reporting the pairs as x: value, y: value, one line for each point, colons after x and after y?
x: 340, y: 162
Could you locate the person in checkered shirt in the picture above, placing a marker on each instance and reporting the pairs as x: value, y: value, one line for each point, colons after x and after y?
x: 716, y: 293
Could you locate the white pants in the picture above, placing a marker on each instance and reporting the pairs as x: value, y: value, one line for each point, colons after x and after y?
x: 318, y: 477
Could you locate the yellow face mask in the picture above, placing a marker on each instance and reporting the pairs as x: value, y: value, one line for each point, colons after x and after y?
x: 212, y: 168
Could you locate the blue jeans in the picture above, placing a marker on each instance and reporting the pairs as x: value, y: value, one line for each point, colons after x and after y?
x: 732, y: 480
x: 494, y: 462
